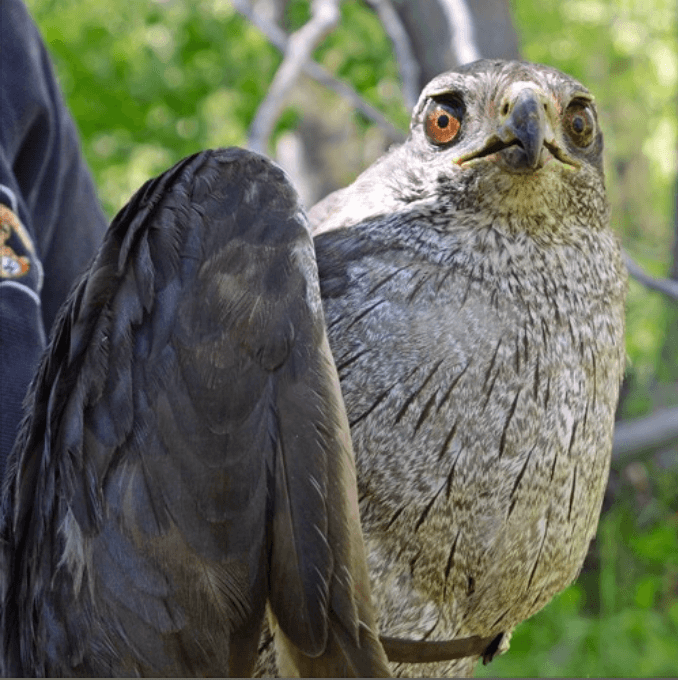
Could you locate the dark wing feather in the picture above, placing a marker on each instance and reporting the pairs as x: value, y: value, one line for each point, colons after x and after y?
x: 185, y: 453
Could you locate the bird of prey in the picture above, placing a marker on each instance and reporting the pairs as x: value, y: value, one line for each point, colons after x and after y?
x: 474, y: 298
x: 185, y: 456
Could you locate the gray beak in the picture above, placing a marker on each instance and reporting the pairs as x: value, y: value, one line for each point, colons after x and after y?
x: 525, y: 127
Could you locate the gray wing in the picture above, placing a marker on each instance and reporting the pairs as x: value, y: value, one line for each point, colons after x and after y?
x: 186, y: 454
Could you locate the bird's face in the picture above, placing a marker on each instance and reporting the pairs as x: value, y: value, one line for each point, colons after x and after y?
x: 509, y: 144
x: 519, y: 115
x: 515, y: 131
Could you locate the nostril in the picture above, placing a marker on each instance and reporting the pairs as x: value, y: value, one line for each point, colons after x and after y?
x: 505, y: 109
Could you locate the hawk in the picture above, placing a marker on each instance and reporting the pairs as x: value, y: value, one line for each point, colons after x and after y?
x: 185, y: 460
x: 474, y: 298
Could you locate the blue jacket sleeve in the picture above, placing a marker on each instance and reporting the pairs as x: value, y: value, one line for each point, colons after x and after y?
x: 50, y: 218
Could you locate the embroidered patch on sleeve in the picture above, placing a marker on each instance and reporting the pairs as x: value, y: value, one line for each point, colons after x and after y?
x: 13, y: 237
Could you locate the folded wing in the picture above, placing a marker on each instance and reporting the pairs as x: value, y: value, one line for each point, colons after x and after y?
x: 185, y: 455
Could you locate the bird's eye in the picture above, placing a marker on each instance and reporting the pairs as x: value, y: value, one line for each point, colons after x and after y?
x: 442, y: 121
x: 579, y: 122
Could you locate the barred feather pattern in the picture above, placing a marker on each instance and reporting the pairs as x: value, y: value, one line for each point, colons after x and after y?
x: 475, y: 310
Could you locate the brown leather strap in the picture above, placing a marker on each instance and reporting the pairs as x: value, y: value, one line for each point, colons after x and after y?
x: 426, y: 651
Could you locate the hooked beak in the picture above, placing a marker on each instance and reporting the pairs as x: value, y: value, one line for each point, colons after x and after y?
x: 524, y: 138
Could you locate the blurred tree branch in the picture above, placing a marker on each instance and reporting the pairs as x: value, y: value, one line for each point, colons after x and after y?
x: 409, y: 67
x: 279, y: 39
x: 642, y: 435
x: 300, y: 46
x: 667, y: 286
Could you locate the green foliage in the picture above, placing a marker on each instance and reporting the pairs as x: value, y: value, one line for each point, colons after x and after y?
x: 151, y: 81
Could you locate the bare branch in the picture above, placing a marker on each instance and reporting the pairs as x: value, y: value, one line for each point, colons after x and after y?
x: 667, y: 286
x: 279, y: 39
x: 325, y: 16
x: 634, y: 437
x: 409, y: 67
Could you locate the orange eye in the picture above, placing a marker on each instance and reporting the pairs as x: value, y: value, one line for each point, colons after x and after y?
x: 442, y: 121
x: 579, y: 122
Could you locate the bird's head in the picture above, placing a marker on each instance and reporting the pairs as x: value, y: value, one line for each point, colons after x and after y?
x: 511, y: 144
x: 521, y: 137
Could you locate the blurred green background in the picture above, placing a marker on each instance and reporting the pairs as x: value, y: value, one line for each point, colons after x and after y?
x: 151, y: 81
